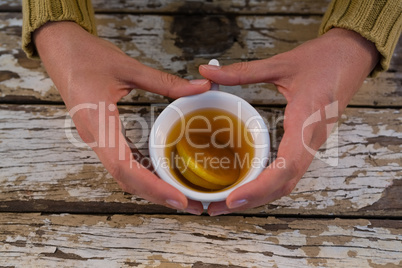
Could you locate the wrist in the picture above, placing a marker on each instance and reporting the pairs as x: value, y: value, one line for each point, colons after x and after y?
x: 356, y: 49
x: 59, y: 45
x: 353, y: 59
x: 54, y: 35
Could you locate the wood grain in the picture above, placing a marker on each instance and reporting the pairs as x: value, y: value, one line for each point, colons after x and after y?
x: 34, y: 240
x: 215, y: 6
x: 43, y: 170
x: 163, y: 42
x: 60, y: 208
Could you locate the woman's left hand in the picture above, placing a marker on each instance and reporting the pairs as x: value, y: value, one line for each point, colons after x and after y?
x: 318, y: 79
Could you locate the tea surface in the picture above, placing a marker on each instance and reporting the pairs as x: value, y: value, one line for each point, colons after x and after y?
x: 218, y: 150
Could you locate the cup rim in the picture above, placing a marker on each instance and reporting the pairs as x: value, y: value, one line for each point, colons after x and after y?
x: 164, y: 173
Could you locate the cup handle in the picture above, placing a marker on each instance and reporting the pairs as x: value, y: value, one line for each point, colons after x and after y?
x: 215, y: 62
x: 205, y: 205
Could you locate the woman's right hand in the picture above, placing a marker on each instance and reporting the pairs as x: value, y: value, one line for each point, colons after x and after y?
x: 90, y: 73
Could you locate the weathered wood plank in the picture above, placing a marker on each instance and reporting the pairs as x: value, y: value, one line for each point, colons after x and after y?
x: 32, y: 240
x: 162, y: 42
x: 42, y: 170
x: 10, y: 5
x: 216, y: 6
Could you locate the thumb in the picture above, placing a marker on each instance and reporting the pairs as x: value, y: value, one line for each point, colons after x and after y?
x: 241, y: 73
x: 138, y: 75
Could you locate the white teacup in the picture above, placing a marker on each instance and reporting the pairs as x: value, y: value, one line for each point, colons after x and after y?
x: 211, y: 99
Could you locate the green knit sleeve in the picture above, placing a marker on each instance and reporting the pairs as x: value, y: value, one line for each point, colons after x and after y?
x: 379, y: 21
x: 37, y: 12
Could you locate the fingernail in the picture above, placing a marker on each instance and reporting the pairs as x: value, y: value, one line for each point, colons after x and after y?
x: 176, y: 204
x: 194, y: 211
x: 199, y: 81
x: 211, y: 67
x: 217, y: 213
x: 237, y: 203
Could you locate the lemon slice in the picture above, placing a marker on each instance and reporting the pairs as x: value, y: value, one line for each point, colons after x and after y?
x: 193, y: 178
x: 211, y: 163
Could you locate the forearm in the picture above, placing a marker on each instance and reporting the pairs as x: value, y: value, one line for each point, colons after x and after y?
x: 37, y: 13
x: 352, y: 58
x: 72, y: 56
x: 377, y: 21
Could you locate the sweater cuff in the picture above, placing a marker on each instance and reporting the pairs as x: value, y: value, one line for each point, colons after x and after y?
x: 379, y: 21
x: 37, y: 12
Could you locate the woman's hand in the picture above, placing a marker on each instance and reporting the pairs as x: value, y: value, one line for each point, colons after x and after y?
x: 318, y: 79
x: 92, y: 74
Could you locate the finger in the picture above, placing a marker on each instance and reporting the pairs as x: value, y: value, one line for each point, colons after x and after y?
x: 141, y: 76
x: 259, y: 71
x: 114, y: 152
x: 274, y: 183
x: 139, y: 157
x: 135, y: 178
x: 221, y: 208
x: 277, y: 180
x: 194, y: 207
x: 270, y: 185
x: 218, y: 208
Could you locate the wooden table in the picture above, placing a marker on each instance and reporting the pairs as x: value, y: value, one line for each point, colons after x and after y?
x: 59, y: 207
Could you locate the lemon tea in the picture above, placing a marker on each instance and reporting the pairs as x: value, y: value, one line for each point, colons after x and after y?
x: 209, y: 150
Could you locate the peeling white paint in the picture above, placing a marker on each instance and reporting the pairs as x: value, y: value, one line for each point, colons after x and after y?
x: 14, y: 22
x: 89, y: 192
x: 304, y: 21
x: 29, y: 79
